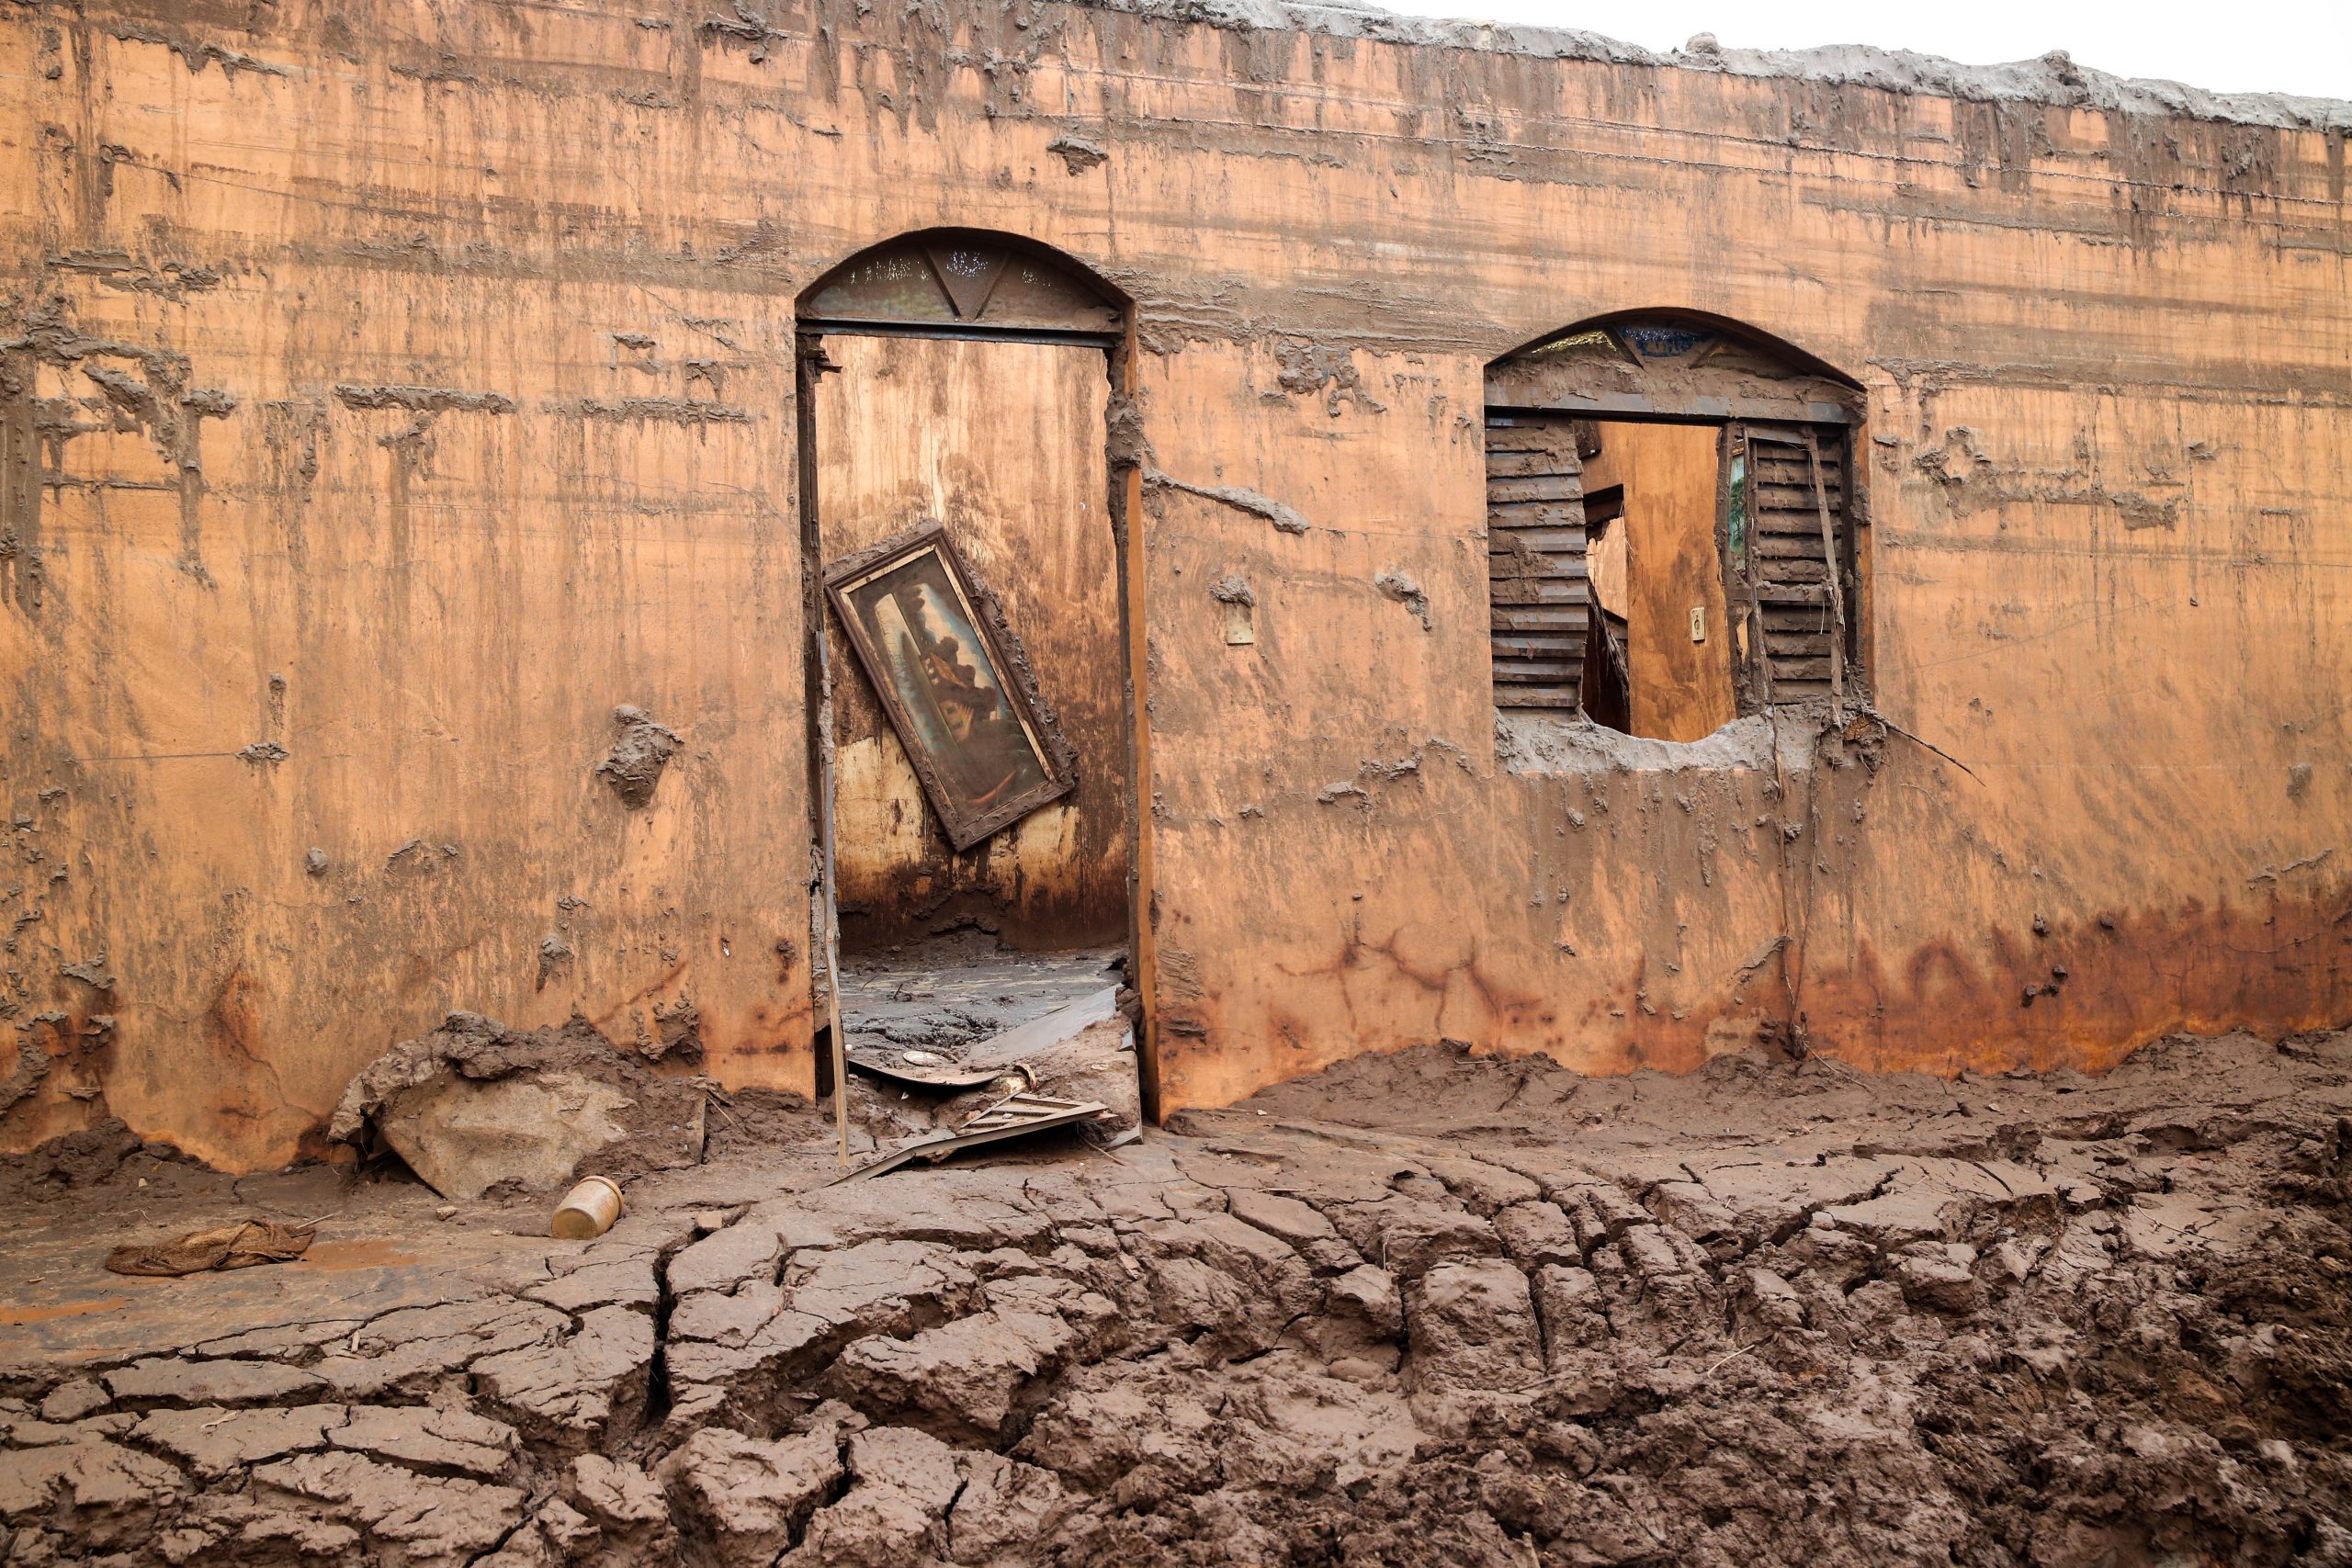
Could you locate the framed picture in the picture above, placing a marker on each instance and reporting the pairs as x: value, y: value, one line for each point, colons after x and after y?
x: 954, y: 680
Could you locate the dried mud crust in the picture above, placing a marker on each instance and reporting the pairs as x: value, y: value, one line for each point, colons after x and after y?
x: 1424, y: 1309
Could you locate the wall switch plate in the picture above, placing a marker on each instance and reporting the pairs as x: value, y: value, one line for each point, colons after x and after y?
x: 1698, y: 623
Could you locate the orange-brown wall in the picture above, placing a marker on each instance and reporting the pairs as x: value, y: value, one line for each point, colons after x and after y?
x: 2105, y: 360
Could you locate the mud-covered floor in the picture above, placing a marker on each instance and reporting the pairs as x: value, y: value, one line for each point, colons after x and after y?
x: 958, y: 990
x: 1420, y: 1309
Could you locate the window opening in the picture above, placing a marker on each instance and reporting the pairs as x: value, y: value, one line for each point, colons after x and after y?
x: 1671, y: 536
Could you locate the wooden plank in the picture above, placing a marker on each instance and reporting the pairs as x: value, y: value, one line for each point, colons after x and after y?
x: 1538, y: 590
x: 1549, y: 435
x: 1566, y: 619
x: 1568, y: 650
x: 1569, y: 658
x: 1788, y: 644
x: 1783, y: 464
x: 1510, y: 540
x: 1568, y: 577
x: 1527, y: 659
x: 1700, y: 406
x: 1538, y: 514
x: 1533, y: 565
x: 1789, y: 499
x: 1503, y: 490
x: 1507, y: 464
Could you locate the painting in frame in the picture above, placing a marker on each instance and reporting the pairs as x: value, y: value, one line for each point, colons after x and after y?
x: 955, y: 682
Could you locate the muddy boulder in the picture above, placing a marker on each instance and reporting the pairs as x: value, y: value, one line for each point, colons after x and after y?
x: 474, y: 1105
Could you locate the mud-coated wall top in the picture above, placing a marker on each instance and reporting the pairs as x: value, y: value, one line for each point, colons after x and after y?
x: 2053, y: 79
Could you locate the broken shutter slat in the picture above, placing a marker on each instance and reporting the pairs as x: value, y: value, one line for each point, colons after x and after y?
x: 1535, y: 561
x: 1570, y: 540
x: 1534, y: 487
x: 1551, y: 590
x: 1512, y: 465
x: 1798, y: 549
x: 1564, y: 617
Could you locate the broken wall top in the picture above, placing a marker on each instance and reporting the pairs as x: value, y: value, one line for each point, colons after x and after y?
x: 2053, y: 78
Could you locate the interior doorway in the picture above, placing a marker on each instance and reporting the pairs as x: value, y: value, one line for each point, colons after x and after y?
x: 955, y: 389
x: 1657, y: 648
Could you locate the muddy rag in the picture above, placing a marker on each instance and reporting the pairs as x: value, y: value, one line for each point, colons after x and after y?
x: 223, y: 1247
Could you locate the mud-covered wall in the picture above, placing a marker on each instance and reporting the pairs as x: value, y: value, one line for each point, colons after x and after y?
x: 402, y: 388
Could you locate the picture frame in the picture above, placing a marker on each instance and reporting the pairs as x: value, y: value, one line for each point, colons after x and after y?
x: 954, y: 680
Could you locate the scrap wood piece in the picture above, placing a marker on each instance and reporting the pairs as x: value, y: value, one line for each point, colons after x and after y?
x: 1024, y: 1040
x: 240, y: 1246
x: 1015, y: 1116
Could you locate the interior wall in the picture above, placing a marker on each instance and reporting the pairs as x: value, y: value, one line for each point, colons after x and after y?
x: 1003, y: 443
x: 1681, y: 689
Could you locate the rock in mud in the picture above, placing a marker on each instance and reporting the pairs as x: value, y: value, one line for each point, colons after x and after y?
x: 474, y: 1106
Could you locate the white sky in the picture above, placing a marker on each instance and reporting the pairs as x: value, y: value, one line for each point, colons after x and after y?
x: 2274, y: 46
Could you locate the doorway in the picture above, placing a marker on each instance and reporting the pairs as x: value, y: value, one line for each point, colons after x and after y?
x: 961, y: 382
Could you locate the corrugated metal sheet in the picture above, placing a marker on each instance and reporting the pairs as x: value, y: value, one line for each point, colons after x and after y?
x: 1536, y: 565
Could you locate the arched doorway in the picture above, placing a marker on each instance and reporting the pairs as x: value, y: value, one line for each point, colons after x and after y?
x: 978, y: 733
x: 1674, y: 525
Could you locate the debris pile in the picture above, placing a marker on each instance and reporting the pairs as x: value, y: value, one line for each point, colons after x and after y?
x: 1423, y: 1309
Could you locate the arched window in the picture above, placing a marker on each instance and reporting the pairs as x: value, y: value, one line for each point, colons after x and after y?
x: 1671, y: 524
x: 962, y: 283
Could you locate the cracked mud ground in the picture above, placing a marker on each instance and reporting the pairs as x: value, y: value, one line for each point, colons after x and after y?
x: 1420, y: 1309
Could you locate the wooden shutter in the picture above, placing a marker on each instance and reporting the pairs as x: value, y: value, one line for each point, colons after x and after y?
x: 1791, y: 553
x: 1536, y: 565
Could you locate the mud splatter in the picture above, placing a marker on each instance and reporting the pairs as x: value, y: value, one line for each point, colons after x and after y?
x: 639, y: 752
